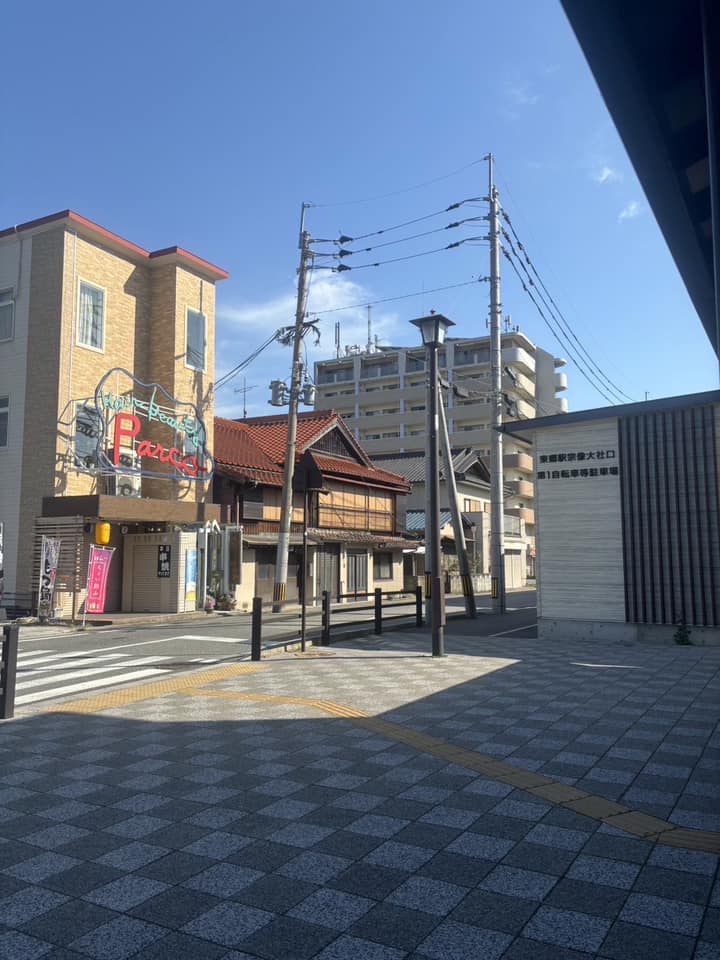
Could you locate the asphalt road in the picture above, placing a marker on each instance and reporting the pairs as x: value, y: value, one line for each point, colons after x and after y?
x: 66, y: 665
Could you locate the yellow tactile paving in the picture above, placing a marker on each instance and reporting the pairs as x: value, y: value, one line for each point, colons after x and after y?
x: 559, y: 794
x: 613, y: 814
x: 150, y: 691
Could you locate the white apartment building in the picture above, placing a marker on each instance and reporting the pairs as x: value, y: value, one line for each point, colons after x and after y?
x: 381, y: 396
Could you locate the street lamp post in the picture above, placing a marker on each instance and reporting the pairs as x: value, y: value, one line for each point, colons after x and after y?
x: 433, y: 329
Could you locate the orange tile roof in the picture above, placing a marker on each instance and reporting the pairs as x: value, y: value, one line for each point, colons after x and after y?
x: 255, y: 449
x: 238, y: 455
x: 337, y: 466
x: 270, y: 433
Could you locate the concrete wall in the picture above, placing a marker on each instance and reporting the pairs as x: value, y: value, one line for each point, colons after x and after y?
x: 580, y: 556
x: 15, y: 258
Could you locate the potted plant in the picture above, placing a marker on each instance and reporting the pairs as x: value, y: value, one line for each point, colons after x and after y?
x: 209, y: 603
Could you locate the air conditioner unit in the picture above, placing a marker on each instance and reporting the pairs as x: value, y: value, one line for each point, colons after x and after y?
x: 126, y: 484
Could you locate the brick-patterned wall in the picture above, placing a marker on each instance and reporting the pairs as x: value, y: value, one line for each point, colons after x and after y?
x: 41, y: 400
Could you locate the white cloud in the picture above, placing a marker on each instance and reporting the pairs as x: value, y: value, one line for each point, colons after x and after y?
x: 520, y: 95
x: 241, y: 328
x: 630, y: 211
x: 607, y: 175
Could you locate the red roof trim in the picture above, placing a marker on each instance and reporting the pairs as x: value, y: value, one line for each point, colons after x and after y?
x: 133, y: 248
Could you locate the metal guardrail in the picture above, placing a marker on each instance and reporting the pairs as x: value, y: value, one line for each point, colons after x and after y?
x: 379, y: 611
x: 8, y: 670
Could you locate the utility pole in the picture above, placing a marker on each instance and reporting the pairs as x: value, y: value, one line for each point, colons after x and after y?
x: 460, y: 545
x: 286, y: 511
x: 497, y: 505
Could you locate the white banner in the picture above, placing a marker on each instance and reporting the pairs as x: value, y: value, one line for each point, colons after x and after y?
x: 49, y: 556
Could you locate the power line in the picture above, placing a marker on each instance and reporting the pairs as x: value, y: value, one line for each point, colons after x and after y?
x: 404, y: 296
x: 560, y: 317
x: 396, y: 193
x: 552, y: 329
x: 345, y: 238
x: 224, y: 380
x: 388, y: 243
x: 342, y: 268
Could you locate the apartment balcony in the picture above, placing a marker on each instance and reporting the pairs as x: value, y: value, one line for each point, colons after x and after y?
x: 518, y: 461
x: 563, y: 404
x: 520, y: 384
x: 386, y: 444
x: 522, y: 513
x: 560, y: 382
x: 520, y: 359
x: 379, y: 422
x: 521, y: 488
x: 526, y: 411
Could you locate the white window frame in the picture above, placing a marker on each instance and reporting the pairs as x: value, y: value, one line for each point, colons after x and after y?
x: 5, y: 408
x: 200, y: 313
x: 94, y: 286
x: 7, y: 296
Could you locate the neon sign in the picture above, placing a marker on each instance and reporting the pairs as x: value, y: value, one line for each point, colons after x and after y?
x: 147, y: 432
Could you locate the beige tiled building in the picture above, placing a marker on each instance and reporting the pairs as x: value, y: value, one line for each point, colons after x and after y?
x: 106, y: 356
x: 381, y: 396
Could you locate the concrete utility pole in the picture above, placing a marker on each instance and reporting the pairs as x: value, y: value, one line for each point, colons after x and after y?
x: 460, y: 545
x: 286, y: 511
x: 497, y: 505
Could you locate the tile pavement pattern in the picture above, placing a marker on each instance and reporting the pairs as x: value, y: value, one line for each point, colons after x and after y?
x: 201, y: 827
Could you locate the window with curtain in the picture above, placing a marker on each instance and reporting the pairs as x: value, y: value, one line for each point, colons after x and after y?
x: 4, y: 417
x: 91, y: 322
x: 7, y: 315
x: 382, y: 566
x: 195, y: 352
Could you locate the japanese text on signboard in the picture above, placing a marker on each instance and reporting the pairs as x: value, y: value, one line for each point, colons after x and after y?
x: 581, y: 464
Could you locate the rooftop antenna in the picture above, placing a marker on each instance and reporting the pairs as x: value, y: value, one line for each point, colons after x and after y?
x: 338, y: 351
x: 508, y: 322
x: 369, y: 339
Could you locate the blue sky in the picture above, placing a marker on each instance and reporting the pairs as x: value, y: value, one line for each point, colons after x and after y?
x: 207, y: 125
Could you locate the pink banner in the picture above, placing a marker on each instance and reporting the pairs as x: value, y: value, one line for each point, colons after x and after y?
x: 98, y: 567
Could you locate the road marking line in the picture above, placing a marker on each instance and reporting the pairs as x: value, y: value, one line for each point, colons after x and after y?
x: 528, y: 626
x: 73, y: 674
x: 89, y: 685
x: 214, y: 639
x: 62, y: 660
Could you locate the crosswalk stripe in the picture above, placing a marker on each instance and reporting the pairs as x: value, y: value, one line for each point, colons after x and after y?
x: 46, y: 666
x: 37, y: 659
x: 71, y: 675
x: 49, y: 693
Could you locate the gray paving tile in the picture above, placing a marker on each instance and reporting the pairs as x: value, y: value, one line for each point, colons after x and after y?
x: 222, y: 879
x: 627, y: 941
x: 524, y: 949
x: 663, y: 914
x: 494, y: 911
x: 448, y: 816
x: 20, y: 946
x: 174, y: 907
x: 264, y: 855
x: 431, y: 896
x: 558, y: 837
x: 478, y: 845
x: 617, y: 847
x: 673, y: 884
x: 275, y: 893
x: 457, y: 869
x: 39, y: 868
x: 217, y: 845
x: 377, y: 826
x: 300, y: 834
x: 228, y: 924
x: 288, y: 938
x: 567, y: 928
x: 514, y: 882
x: 394, y: 926
x: 55, y: 836
x: 28, y: 903
x: 367, y: 880
x: 117, y: 939
x: 125, y: 892
x: 175, y: 867
x: 400, y: 856
x: 332, y: 908
x: 458, y: 941
x: 67, y: 922
x: 599, y: 870
x: 132, y: 856
x: 355, y: 948
x: 587, y: 898
x: 689, y: 861
x: 314, y: 867
x: 175, y: 945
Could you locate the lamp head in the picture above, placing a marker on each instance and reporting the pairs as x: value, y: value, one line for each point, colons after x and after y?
x: 433, y: 328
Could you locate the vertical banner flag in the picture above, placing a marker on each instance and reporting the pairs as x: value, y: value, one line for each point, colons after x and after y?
x: 98, y: 567
x: 49, y: 556
x: 191, y: 572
